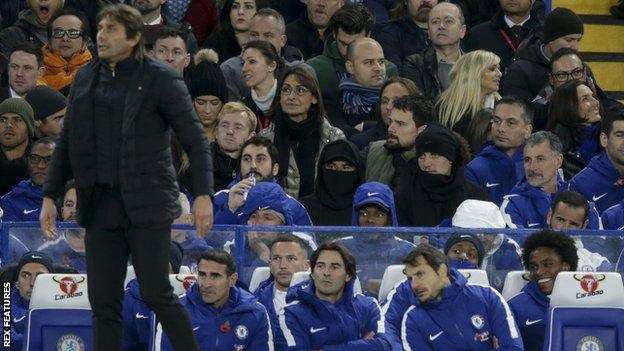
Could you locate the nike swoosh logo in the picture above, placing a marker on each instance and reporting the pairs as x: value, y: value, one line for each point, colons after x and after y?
x: 433, y: 337
x: 371, y: 194
x: 528, y: 322
x: 37, y: 257
x: 533, y: 224
x: 314, y: 330
x: 31, y: 211
x: 138, y: 315
x: 489, y: 185
x: 194, y: 329
x: 17, y: 320
x: 596, y: 198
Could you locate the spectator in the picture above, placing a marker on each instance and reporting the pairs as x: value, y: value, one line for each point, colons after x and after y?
x: 30, y: 265
x: 529, y: 72
x: 387, y: 159
x: 300, y: 118
x: 349, y: 23
x: 17, y: 130
x: 215, y: 300
x: 201, y: 15
x: 480, y: 130
x: 446, y: 299
x: 431, y: 190
x: 288, y: 255
x: 474, y: 82
x: 208, y: 91
x: 49, y: 107
x: 266, y: 25
x: 260, y: 66
x: 136, y: 314
x: 430, y: 69
x: 392, y: 89
x: 25, y: 69
x: 339, y: 172
x: 309, y: 32
x: 571, y: 211
x: 406, y: 33
x: 600, y: 182
x: 66, y: 50
x: 233, y: 30
x: 373, y: 206
x: 30, y: 25
x: 618, y: 10
x: 464, y: 251
x: 324, y: 312
x: 359, y: 90
x: 9, y: 11
x: 169, y: 47
x: 23, y: 202
x: 511, y: 28
x: 575, y: 118
x: 527, y: 204
x: 544, y: 254
x: 499, y: 164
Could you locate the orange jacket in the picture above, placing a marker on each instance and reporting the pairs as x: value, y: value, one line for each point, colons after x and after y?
x: 59, y: 72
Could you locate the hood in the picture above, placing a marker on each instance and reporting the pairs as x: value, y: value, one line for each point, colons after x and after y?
x: 291, y: 54
x: 602, y: 165
x: 532, y: 289
x: 458, y: 281
x: 28, y: 16
x: 525, y: 189
x: 239, y: 301
x: 265, y: 196
x: 491, y: 151
x: 375, y: 193
x: 333, y: 188
x: 305, y: 291
x: 533, y: 53
x: 330, y: 49
x: 26, y: 188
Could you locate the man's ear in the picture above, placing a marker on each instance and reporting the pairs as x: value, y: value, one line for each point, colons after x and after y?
x: 233, y: 279
x: 349, y: 67
x: 275, y: 170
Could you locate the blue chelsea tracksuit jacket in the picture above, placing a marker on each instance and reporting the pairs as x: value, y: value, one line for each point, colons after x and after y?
x: 598, y: 182
x: 22, y: 203
x: 530, y: 308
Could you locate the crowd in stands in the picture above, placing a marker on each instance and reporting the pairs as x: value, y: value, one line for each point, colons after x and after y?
x: 381, y: 113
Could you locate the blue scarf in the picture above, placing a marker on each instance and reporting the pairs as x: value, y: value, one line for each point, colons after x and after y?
x: 357, y: 99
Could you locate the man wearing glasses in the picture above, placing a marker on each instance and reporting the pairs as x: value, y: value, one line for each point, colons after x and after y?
x: 66, y: 50
x: 23, y: 203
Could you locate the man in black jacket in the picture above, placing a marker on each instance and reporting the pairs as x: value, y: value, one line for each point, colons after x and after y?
x: 309, y: 32
x: 116, y: 139
x: 30, y: 25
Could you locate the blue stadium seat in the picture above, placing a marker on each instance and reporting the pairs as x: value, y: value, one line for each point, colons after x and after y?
x: 60, y: 314
x: 586, y: 312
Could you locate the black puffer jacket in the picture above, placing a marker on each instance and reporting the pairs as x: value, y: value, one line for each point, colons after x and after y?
x: 528, y: 74
x: 422, y: 69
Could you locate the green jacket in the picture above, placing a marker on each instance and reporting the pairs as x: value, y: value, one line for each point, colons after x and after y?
x: 379, y: 165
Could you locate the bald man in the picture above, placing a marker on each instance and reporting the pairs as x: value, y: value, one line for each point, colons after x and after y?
x: 365, y: 63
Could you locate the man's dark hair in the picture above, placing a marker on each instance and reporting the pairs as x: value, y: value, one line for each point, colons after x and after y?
x: 29, y: 48
x: 563, y: 244
x: 48, y: 140
x: 258, y: 141
x: 84, y: 23
x: 347, y: 258
x: 434, y: 257
x: 573, y: 199
x: 352, y: 19
x: 613, y: 115
x: 132, y: 21
x: 422, y: 108
x: 220, y: 257
x: 171, y: 32
x: 289, y: 238
x: 561, y: 53
x: 527, y: 111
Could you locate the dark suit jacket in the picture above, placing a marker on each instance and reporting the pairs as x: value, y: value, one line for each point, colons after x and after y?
x: 157, y: 100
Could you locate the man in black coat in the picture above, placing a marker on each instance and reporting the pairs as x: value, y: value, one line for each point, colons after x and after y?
x: 116, y: 139
x: 309, y: 32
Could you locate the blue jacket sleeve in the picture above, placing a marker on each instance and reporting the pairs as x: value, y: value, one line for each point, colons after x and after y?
x: 11, y: 213
x: 294, y: 331
x: 511, y: 213
x: 222, y: 213
x: 262, y: 340
x: 130, y: 339
x: 411, y: 337
x: 503, y: 323
x: 389, y: 327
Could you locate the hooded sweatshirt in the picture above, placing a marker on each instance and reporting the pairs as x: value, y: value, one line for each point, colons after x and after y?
x: 527, y: 206
x: 19, y: 310
x: 530, y: 308
x: 599, y: 182
x: 23, y: 203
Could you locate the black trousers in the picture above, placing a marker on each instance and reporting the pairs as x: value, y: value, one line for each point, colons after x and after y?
x: 110, y: 239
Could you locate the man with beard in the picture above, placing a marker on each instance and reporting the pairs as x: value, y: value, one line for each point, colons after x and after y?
x: 407, y: 33
x: 151, y: 11
x: 17, y: 128
x: 386, y: 159
x: 31, y: 25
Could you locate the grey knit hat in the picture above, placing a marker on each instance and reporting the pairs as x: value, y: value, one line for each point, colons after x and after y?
x: 20, y: 107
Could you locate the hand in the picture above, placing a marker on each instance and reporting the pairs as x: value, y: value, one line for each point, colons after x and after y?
x: 202, y: 214
x: 47, y: 219
x: 369, y: 336
x: 495, y: 342
x: 236, y: 195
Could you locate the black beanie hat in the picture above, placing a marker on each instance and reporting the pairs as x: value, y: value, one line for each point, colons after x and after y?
x: 561, y: 22
x: 438, y: 139
x: 34, y: 257
x: 473, y: 239
x: 45, y: 101
x: 175, y: 256
x: 207, y: 79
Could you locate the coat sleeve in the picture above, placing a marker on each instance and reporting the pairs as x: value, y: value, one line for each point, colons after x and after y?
x: 503, y: 323
x: 389, y: 327
x: 262, y: 339
x: 411, y: 337
x: 412, y: 68
x: 293, y: 330
x: 222, y: 213
x: 11, y: 212
x: 511, y: 213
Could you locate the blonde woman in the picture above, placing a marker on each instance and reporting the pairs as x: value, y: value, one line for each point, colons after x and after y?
x: 474, y: 83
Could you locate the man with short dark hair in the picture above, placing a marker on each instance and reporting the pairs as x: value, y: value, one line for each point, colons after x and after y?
x: 499, y: 164
x: 225, y: 317
x: 481, y: 318
x: 30, y: 25
x: 49, y: 107
x: 310, y: 30
x: 527, y: 204
x: 17, y: 129
x: 25, y: 69
x: 170, y: 48
x: 324, y: 313
x: 544, y: 254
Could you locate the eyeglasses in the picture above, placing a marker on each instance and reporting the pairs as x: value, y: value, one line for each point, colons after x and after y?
x: 35, y: 159
x: 165, y: 53
x: 565, y: 76
x: 300, y: 90
x: 59, y: 33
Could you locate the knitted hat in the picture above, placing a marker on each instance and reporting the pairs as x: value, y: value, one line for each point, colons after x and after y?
x: 207, y: 79
x: 175, y: 256
x: 45, y: 101
x: 34, y: 257
x: 20, y: 107
x: 561, y: 22
x: 459, y: 237
x: 439, y: 140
